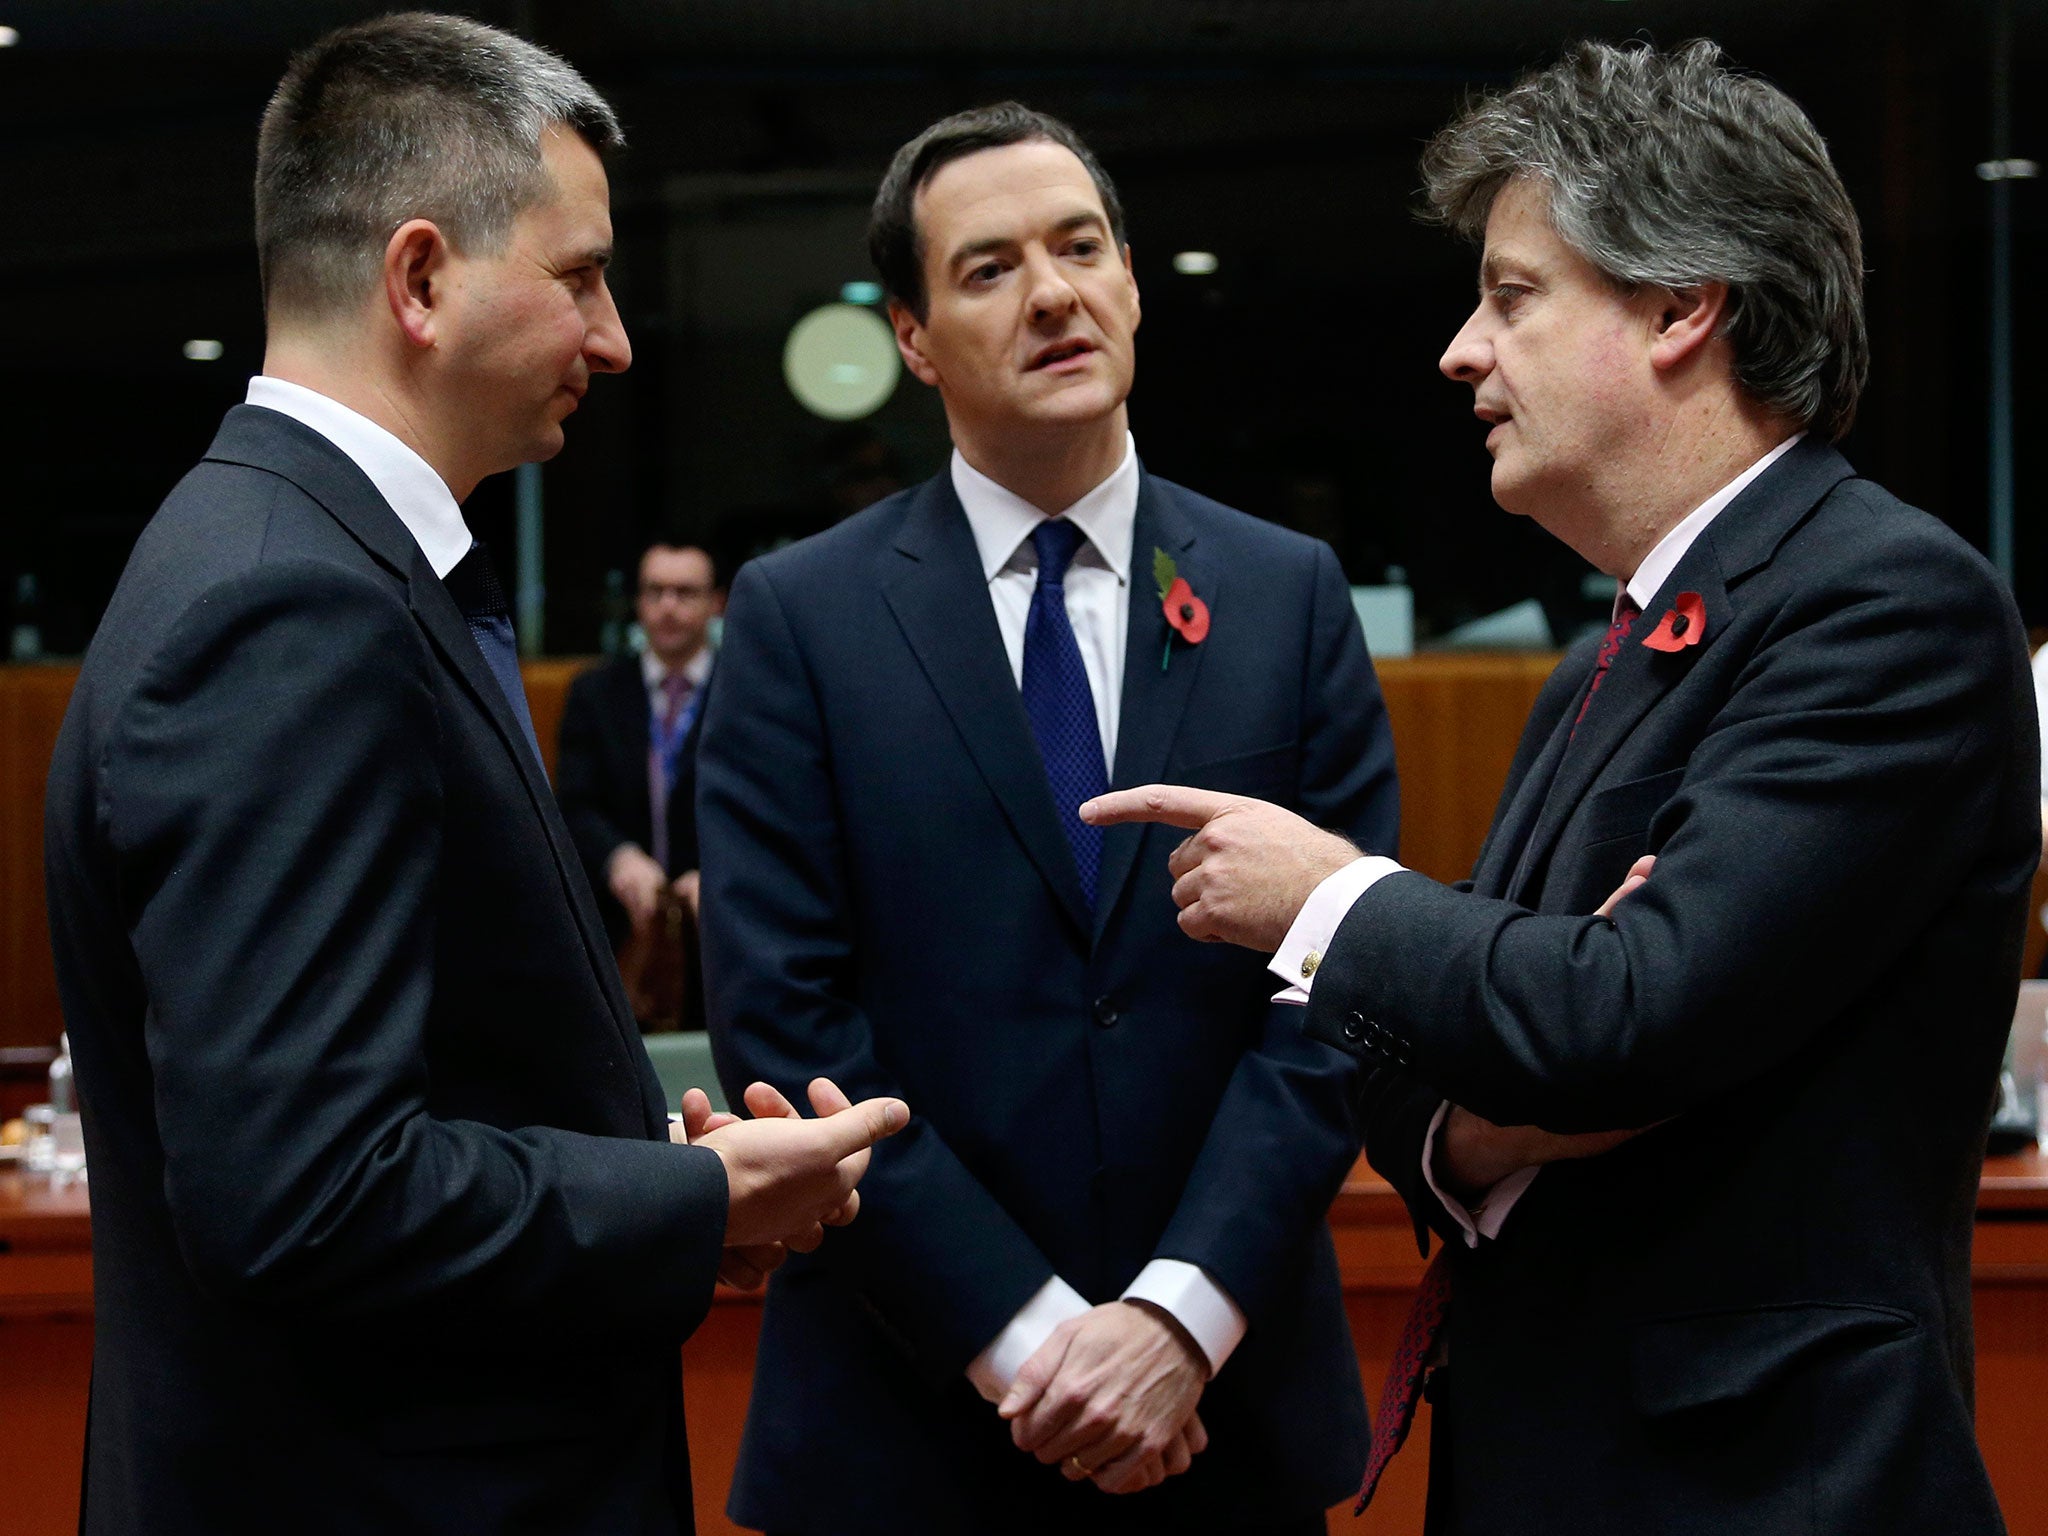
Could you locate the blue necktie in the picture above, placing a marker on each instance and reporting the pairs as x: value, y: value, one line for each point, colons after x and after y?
x: 474, y: 586
x: 1058, y: 701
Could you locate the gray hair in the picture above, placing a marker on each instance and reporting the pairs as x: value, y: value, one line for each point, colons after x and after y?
x: 404, y: 117
x: 1672, y: 170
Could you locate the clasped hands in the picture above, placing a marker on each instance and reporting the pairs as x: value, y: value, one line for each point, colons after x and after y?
x: 637, y: 883
x: 1110, y: 1396
x: 787, y: 1177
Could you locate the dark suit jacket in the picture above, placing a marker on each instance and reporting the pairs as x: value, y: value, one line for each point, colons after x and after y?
x: 1755, y: 1317
x: 888, y: 899
x: 601, y: 778
x: 386, y: 1235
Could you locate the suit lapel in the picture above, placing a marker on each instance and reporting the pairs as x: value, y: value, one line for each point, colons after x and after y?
x: 1741, y: 538
x: 271, y: 441
x: 940, y: 600
x: 1154, y: 698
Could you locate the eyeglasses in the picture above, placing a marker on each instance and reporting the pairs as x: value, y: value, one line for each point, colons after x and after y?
x: 655, y: 591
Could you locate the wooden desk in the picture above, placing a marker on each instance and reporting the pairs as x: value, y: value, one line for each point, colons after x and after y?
x: 46, y: 1350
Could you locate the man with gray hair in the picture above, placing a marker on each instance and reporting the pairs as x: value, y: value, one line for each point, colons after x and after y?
x: 1692, y: 1075
x: 388, y: 1233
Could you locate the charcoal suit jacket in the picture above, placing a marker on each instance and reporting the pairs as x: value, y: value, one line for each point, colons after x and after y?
x: 1754, y: 1317
x: 889, y: 899
x: 601, y: 778
x: 386, y: 1232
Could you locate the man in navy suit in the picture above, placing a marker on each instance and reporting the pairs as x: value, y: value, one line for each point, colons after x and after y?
x: 387, y: 1230
x: 1804, y: 753
x: 1106, y: 1225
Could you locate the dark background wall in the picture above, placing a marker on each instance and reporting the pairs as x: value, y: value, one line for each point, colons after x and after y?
x: 1299, y: 381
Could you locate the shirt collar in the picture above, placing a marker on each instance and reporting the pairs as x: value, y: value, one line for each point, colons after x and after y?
x: 696, y: 669
x: 1002, y: 520
x: 406, y: 481
x: 1661, y: 561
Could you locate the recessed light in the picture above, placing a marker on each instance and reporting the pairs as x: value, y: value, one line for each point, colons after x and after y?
x: 1195, y: 263
x: 861, y: 293
x: 9, y: 37
x: 204, y: 351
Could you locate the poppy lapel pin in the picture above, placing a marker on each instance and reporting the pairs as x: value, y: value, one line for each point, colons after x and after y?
x: 1684, y: 623
x: 1186, y: 614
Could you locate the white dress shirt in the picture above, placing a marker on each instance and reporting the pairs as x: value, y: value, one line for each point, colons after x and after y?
x: 406, y: 481
x: 1301, y: 952
x: 1098, y: 591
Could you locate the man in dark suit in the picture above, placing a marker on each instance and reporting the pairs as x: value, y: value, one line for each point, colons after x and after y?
x: 1086, y: 1223
x: 626, y: 774
x: 387, y: 1230
x: 1815, y: 740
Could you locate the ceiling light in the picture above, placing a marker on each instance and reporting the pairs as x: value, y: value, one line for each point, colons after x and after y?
x: 861, y: 293
x: 1195, y: 263
x: 9, y: 37
x: 204, y: 351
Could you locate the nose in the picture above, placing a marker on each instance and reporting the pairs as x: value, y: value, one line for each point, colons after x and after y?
x: 1469, y: 357
x: 1051, y: 295
x: 605, y: 346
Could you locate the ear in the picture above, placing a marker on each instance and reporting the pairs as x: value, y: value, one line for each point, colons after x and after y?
x: 910, y: 342
x: 1683, y: 321
x: 415, y: 264
x: 1137, y: 313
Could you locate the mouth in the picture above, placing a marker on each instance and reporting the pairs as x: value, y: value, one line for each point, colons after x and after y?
x: 1495, y: 418
x: 1071, y: 352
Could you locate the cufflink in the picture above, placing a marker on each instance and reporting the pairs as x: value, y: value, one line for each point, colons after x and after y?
x: 1309, y: 962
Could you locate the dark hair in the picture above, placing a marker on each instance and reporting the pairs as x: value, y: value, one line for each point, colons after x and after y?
x: 407, y: 116
x: 1671, y: 169
x: 894, y: 241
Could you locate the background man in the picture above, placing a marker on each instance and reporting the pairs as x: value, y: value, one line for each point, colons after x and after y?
x: 626, y: 774
x: 1090, y: 1221
x: 1812, y: 716
x: 387, y: 1234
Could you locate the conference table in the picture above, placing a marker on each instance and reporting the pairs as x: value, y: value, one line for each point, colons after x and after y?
x: 46, y: 1349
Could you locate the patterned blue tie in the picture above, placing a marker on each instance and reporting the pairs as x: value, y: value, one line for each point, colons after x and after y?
x: 1058, y: 700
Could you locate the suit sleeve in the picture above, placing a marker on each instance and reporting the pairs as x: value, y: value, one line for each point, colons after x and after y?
x: 1284, y: 1136
x: 273, y: 798
x: 580, y: 781
x: 1833, y: 808
x: 934, y: 1253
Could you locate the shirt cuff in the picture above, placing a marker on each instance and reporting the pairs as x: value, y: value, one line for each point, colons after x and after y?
x: 1194, y: 1301
x: 1316, y: 924
x: 1491, y: 1213
x: 996, y: 1367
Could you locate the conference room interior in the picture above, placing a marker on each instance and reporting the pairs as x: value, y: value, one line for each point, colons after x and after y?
x: 1294, y: 309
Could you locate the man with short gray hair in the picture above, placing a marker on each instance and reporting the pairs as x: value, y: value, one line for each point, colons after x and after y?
x: 1692, y: 1075
x: 388, y: 1233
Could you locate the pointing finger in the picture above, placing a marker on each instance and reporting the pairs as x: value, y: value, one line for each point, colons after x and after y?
x: 1175, y: 804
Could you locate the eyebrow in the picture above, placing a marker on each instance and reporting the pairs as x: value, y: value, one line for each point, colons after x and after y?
x: 994, y: 243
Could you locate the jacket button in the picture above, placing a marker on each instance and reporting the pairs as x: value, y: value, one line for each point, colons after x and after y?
x: 1105, y: 1013
x: 1354, y: 1027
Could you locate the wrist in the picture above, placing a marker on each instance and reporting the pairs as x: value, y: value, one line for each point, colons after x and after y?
x: 1174, y: 1327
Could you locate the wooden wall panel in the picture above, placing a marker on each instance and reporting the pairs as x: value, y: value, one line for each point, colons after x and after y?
x: 1456, y: 720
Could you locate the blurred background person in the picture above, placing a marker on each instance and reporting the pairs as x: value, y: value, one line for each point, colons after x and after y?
x: 626, y: 778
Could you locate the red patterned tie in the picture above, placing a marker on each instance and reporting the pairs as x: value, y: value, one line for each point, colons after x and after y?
x: 1404, y: 1377
x: 1625, y: 614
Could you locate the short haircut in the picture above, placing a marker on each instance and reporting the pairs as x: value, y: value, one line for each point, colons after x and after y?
x: 1671, y: 169
x: 404, y: 117
x: 894, y: 241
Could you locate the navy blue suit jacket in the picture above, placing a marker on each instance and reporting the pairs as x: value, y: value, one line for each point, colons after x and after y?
x: 888, y: 899
x: 387, y: 1234
x: 1755, y: 1316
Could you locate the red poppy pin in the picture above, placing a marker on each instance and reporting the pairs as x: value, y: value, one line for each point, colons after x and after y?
x: 1683, y: 624
x: 1186, y: 614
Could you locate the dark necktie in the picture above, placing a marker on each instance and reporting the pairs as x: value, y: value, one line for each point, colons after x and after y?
x: 1412, y: 1355
x: 474, y: 586
x: 1058, y: 701
x: 1625, y: 615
